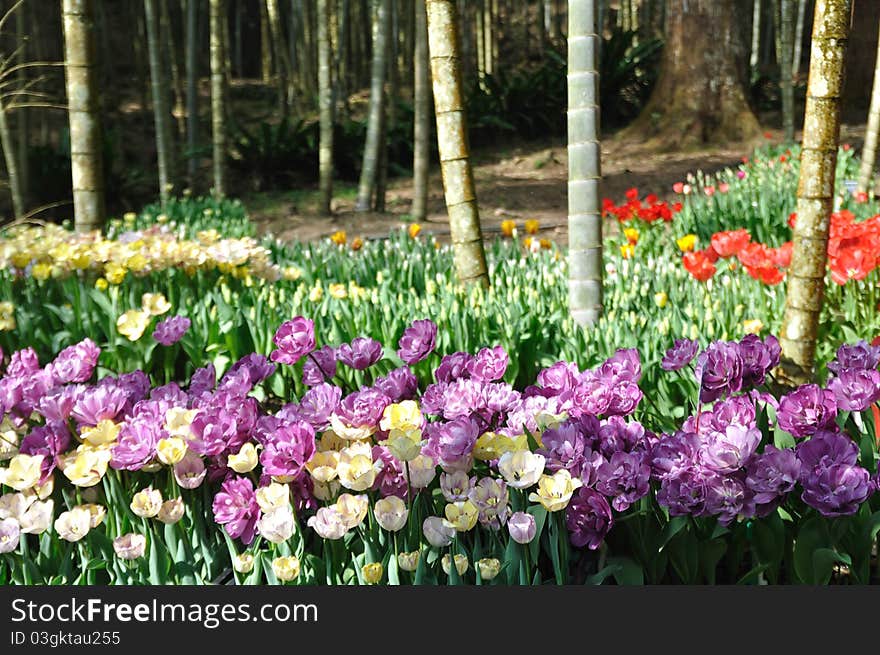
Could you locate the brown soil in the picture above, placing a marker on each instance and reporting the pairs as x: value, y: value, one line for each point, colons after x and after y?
x: 517, y: 181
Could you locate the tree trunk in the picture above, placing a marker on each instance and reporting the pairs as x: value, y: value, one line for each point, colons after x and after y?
x: 86, y: 163
x: 170, y: 59
x: 370, y: 166
x: 869, y: 152
x: 21, y: 115
x: 584, y: 170
x: 390, y: 112
x: 806, y: 275
x: 160, y: 102
x: 859, y: 71
x: 422, y: 120
x: 192, y: 90
x: 265, y: 45
x: 798, y: 39
x: 785, y: 78
x: 701, y: 100
x: 756, y: 36
x: 455, y: 165
x: 282, y: 64
x: 325, y: 101
x: 218, y: 96
x: 9, y: 156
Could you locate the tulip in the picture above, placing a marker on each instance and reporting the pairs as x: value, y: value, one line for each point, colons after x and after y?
x: 286, y: 568
x: 132, y: 324
x: 489, y: 568
x: 273, y: 496
x: 328, y: 523
x: 178, y: 421
x: 554, y: 491
x: 86, y: 466
x: 391, y: 513
x: 171, y: 511
x: 521, y: 469
x: 522, y: 527
x: 74, y: 524
x: 404, y: 444
x: 155, y: 304
x: 130, y: 546
x: 10, y: 534
x: 12, y: 506
x: 322, y: 465
x: 437, y: 532
x: 326, y: 491
x: 356, y: 468
x: 401, y: 416
x: 147, y: 502
x: 461, y: 515
x: 421, y: 471
x: 23, y: 472
x: 38, y: 517
x: 102, y: 434
x: 190, y: 471
x: 277, y: 525
x: 352, y: 509
x: 243, y: 563
x: 372, y: 572
x: 171, y: 450
x: 408, y: 561
x: 461, y: 564
x: 245, y: 460
x: 97, y: 513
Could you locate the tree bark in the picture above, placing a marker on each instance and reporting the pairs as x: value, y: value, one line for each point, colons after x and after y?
x: 265, y: 45
x: 192, y: 90
x: 21, y: 115
x: 161, y: 108
x: 9, y: 156
x: 455, y: 165
x: 86, y: 165
x: 701, y: 99
x: 798, y: 39
x: 422, y: 121
x: 815, y: 195
x: 170, y: 59
x: 869, y: 152
x: 282, y: 63
x: 369, y: 168
x: 756, y: 36
x: 785, y: 78
x: 584, y: 169
x: 325, y: 102
x: 218, y: 96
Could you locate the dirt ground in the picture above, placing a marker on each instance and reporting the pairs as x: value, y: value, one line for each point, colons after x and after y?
x: 517, y: 181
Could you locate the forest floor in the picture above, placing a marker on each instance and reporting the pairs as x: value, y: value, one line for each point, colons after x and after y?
x: 515, y: 180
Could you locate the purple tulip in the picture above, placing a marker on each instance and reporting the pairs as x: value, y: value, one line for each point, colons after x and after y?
x: 772, y: 474
x: 859, y: 356
x: 680, y: 355
x: 626, y: 477
x: 319, y: 366
x: 76, y: 363
x: 489, y: 364
x: 235, y: 507
x: 719, y: 370
x: 452, y: 367
x: 728, y: 450
x: 293, y: 340
x: 522, y: 527
x: 588, y: 518
x: 399, y: 384
x: 418, y: 341
x: 318, y: 404
x: 807, y: 410
x: 855, y: 389
x: 836, y: 490
x: 288, y: 449
x: 171, y: 330
x: 360, y: 354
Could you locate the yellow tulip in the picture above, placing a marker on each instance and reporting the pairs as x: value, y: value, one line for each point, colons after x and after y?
x: 554, y: 491
x: 372, y: 572
x: 461, y: 516
x: 133, y: 323
x: 104, y: 433
x: 23, y: 472
x: 171, y: 450
x: 155, y: 304
x: 687, y: 243
x: 461, y: 564
x: 489, y: 568
x: 245, y: 460
x: 286, y: 568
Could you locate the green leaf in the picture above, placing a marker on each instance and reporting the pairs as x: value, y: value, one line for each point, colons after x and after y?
x: 627, y: 571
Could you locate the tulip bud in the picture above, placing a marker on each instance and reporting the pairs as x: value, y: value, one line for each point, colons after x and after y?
x: 461, y: 564
x: 286, y: 568
x: 372, y: 572
x: 171, y: 511
x: 408, y: 561
x: 130, y: 546
x: 489, y: 568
